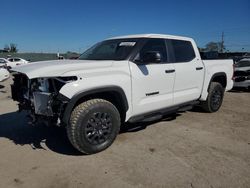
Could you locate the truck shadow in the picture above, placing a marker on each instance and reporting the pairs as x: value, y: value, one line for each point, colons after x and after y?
x: 135, y: 127
x: 14, y: 126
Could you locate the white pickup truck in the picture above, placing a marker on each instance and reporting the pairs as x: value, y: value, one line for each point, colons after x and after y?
x: 123, y: 79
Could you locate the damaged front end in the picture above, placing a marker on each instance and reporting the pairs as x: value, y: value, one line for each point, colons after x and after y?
x: 41, y: 97
x: 242, y: 78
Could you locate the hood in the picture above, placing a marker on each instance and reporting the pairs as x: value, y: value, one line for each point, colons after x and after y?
x: 58, y: 67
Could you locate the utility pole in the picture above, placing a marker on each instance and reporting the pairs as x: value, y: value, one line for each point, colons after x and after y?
x: 222, y: 42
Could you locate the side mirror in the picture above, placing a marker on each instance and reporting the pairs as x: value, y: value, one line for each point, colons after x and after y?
x: 151, y: 57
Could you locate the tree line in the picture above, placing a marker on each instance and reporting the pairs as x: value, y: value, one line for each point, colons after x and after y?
x: 214, y: 47
x: 10, y: 48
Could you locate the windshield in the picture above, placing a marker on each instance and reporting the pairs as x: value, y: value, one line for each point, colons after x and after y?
x: 243, y: 64
x: 115, y: 49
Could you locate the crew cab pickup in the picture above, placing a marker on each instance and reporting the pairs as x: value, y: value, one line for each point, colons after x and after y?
x: 123, y: 79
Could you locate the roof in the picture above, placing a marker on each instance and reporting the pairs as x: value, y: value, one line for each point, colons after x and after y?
x: 152, y: 36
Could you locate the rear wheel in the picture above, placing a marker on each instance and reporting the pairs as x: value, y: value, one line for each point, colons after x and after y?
x: 93, y: 126
x: 214, y: 98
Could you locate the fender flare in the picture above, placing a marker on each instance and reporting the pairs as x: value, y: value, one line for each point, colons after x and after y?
x: 72, y: 102
x: 215, y: 75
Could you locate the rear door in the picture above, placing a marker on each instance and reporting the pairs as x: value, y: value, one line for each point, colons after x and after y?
x: 152, y: 83
x: 189, y: 70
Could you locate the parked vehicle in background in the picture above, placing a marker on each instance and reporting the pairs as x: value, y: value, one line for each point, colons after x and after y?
x: 4, y: 74
x: 3, y: 62
x: 15, y: 61
x: 123, y: 79
x: 242, y: 74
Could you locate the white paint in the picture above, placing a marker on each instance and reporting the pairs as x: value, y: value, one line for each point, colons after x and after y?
x: 184, y: 85
x: 4, y: 74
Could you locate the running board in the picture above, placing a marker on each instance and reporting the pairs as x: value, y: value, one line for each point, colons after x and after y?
x: 156, y: 115
x: 188, y: 107
x: 185, y: 108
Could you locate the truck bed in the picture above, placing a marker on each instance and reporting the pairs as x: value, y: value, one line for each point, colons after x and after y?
x: 215, y: 67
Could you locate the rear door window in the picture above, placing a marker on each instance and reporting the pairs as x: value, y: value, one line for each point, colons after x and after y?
x: 183, y: 51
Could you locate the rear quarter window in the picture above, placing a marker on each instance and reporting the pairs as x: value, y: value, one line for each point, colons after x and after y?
x: 183, y: 51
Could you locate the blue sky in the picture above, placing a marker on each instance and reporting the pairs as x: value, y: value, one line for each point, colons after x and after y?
x: 51, y: 26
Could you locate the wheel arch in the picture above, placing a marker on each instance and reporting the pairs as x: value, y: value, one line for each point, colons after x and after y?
x: 219, y: 77
x: 113, y: 94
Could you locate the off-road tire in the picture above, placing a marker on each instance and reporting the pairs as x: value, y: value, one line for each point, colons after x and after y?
x: 85, y: 117
x: 214, y: 98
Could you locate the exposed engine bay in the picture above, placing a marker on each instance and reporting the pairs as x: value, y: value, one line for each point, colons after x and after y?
x: 41, y: 97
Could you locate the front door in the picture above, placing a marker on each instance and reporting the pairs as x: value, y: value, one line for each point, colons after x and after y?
x: 152, y: 83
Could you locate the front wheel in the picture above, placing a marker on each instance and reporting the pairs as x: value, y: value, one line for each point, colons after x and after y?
x: 93, y: 126
x: 214, y: 98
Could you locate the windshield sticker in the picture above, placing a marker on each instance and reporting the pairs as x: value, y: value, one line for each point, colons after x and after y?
x: 127, y: 43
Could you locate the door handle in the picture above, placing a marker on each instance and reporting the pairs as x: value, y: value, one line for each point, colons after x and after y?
x: 199, y: 68
x: 169, y: 71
